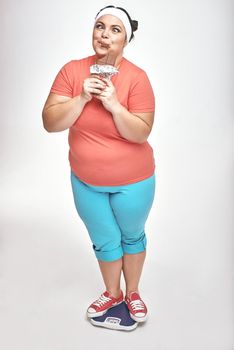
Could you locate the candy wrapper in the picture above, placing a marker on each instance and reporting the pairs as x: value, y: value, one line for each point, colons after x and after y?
x: 105, y: 67
x: 103, y: 70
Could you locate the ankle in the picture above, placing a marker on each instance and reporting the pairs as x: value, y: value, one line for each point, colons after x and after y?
x: 114, y: 292
x: 129, y: 291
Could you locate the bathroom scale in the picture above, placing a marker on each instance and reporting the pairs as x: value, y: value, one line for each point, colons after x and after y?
x: 117, y: 318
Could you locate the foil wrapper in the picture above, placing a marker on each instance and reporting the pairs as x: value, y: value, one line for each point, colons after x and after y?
x: 104, y: 70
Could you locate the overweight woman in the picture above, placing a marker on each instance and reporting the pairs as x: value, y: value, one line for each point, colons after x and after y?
x: 112, y: 163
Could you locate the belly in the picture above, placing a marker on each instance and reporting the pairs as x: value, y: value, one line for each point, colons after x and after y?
x: 113, y: 160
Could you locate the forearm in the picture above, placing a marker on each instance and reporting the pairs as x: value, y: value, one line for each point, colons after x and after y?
x: 129, y: 125
x: 62, y: 116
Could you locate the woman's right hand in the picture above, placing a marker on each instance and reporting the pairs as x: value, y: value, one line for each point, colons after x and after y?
x: 92, y: 86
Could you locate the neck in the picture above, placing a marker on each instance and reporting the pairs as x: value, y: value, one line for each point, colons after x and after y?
x: 109, y: 59
x: 118, y: 61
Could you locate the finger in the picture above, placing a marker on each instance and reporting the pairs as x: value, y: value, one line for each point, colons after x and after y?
x: 97, y: 85
x: 108, y: 82
x: 95, y: 76
x: 94, y: 85
x: 97, y: 79
x: 100, y: 98
x: 94, y: 82
x: 94, y: 91
x: 103, y: 94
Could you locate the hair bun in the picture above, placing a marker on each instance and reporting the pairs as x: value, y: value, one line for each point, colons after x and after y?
x: 134, y: 25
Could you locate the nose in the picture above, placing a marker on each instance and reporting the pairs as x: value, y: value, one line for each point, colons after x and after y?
x: 105, y: 33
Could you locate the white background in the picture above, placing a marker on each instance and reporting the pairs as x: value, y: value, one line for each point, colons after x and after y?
x: 48, y: 272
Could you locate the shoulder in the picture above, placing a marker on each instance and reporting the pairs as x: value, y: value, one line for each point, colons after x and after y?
x: 78, y: 63
x: 132, y: 67
x: 76, y: 69
x: 133, y: 71
x: 135, y: 75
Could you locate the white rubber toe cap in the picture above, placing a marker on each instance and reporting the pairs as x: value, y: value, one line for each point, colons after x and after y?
x: 91, y: 310
x: 140, y: 314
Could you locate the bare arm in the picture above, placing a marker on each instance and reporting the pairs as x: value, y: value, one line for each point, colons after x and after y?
x: 61, y: 112
x: 134, y: 127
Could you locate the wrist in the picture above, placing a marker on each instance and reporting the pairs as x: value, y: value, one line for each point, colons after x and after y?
x: 83, y: 98
x: 117, y: 108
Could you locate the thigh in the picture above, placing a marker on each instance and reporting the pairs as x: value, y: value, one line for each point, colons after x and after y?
x: 95, y: 211
x: 132, y: 205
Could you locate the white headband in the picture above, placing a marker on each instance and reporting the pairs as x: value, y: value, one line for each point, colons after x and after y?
x: 119, y: 14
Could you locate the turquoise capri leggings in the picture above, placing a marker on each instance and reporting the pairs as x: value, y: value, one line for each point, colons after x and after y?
x: 114, y: 216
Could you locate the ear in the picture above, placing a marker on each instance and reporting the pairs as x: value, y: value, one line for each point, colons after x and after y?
x: 125, y: 42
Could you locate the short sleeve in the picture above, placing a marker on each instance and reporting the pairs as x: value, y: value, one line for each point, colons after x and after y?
x: 141, y: 95
x: 62, y: 84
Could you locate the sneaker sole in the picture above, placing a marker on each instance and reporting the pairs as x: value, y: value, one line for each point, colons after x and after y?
x: 116, y: 327
x: 138, y: 319
x: 101, y: 313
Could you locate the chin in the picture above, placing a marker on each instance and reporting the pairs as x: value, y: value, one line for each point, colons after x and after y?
x: 100, y: 52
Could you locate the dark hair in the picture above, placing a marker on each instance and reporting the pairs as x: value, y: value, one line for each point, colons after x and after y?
x: 133, y: 23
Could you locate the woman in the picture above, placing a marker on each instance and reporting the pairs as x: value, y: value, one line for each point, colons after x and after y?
x: 112, y: 164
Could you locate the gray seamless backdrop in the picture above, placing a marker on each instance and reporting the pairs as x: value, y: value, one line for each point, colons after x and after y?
x: 48, y: 272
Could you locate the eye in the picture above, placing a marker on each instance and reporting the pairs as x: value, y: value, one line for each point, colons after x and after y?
x: 116, y: 30
x: 98, y: 26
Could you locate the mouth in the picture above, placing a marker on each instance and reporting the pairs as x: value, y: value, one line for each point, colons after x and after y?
x: 103, y: 45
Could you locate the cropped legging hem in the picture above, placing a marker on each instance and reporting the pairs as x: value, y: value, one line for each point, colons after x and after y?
x: 118, y: 252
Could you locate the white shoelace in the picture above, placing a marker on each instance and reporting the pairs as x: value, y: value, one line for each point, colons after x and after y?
x: 137, y: 305
x: 101, y: 301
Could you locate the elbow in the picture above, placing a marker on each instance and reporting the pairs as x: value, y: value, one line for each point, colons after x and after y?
x: 144, y: 135
x: 142, y: 139
x: 47, y: 122
x: 48, y: 129
x: 139, y: 140
x: 46, y: 125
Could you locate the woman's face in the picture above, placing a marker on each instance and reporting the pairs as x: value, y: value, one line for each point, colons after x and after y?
x: 109, y: 36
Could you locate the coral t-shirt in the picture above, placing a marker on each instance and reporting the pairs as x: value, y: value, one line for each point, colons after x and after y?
x: 98, y: 154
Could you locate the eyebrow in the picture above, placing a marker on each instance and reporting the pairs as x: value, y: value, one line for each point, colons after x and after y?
x: 113, y: 25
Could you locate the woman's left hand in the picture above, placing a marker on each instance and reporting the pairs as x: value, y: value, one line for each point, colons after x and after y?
x: 108, y: 97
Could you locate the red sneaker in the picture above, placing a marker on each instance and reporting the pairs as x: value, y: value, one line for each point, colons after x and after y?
x: 136, y: 307
x: 100, y: 306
